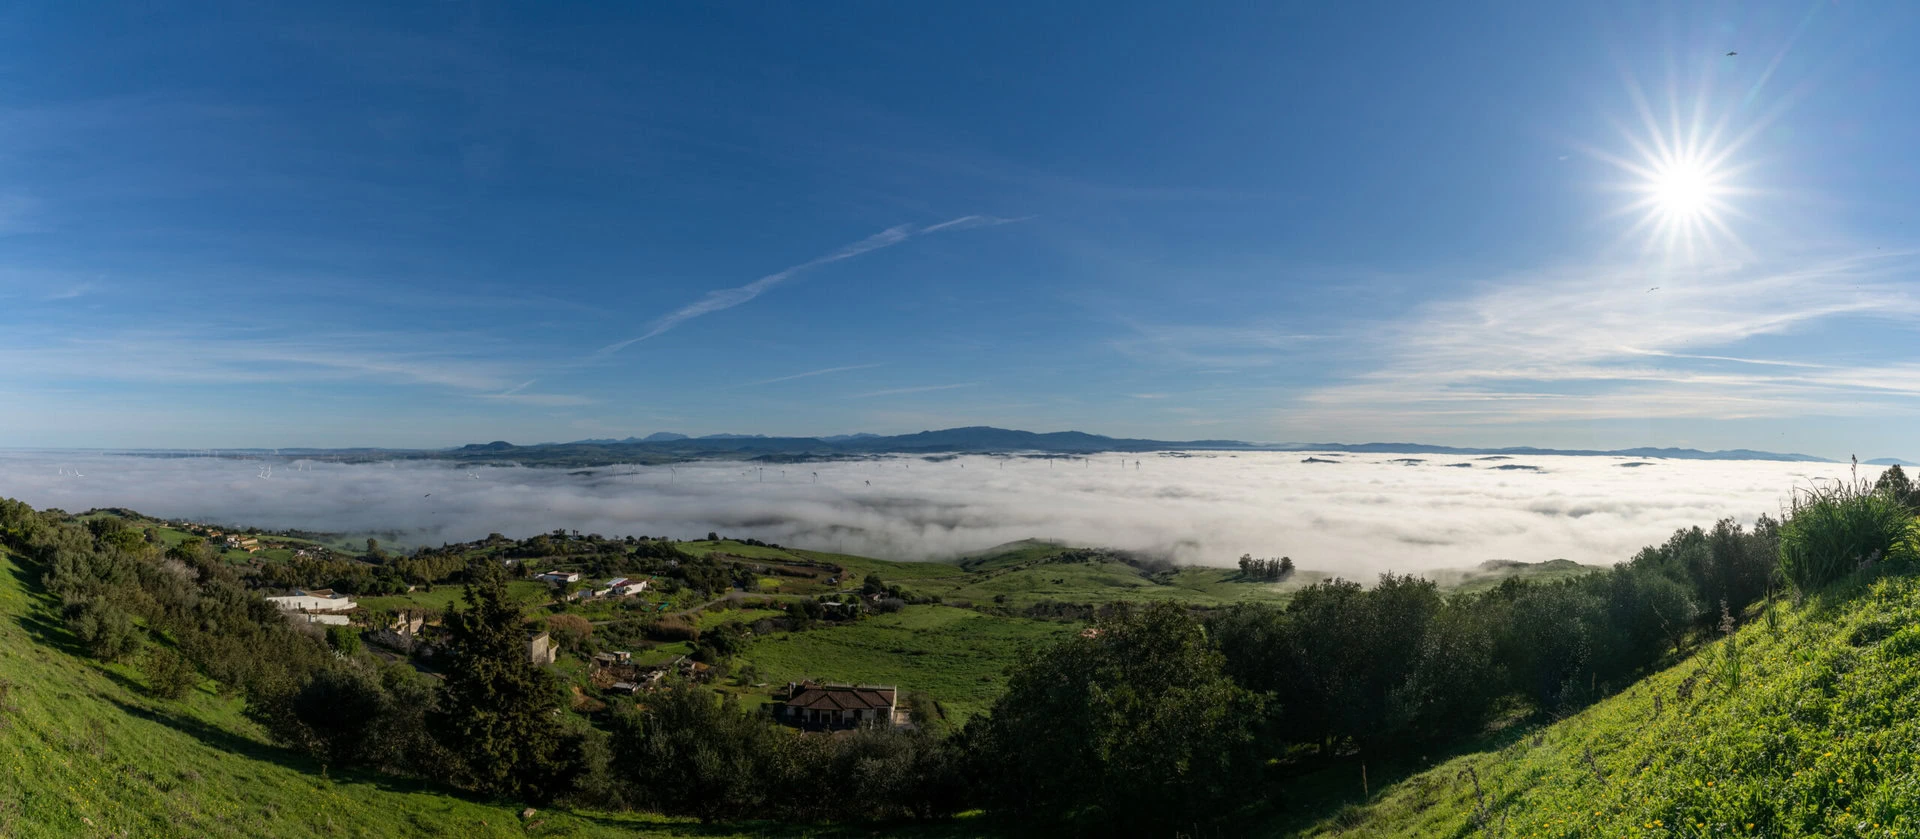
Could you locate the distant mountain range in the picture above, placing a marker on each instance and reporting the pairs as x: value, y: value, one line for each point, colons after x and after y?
x: 667, y: 447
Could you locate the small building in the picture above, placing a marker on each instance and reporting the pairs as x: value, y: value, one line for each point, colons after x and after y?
x: 826, y: 707
x: 324, y: 620
x: 609, y: 659
x: 315, y: 600
x: 407, y: 624
x: 541, y: 649
x: 554, y: 578
x: 625, y: 687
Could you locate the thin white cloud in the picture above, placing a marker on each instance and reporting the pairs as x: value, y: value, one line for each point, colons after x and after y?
x: 1591, y: 344
x: 545, y: 399
x: 188, y: 358
x: 809, y: 374
x: 727, y: 298
x: 922, y: 389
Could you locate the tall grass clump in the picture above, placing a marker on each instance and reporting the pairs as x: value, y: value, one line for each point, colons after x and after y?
x: 1834, y: 529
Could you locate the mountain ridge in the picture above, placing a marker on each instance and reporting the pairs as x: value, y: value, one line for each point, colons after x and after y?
x: 665, y: 447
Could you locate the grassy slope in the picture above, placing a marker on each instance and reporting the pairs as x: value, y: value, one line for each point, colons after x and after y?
x: 1820, y: 738
x: 958, y: 656
x: 85, y: 752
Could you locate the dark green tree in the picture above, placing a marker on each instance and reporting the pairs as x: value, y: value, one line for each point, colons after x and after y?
x: 497, y: 710
x: 1135, y: 727
x: 1895, y: 484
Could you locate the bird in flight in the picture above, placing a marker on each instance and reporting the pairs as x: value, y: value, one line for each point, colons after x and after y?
x: 1652, y: 290
x: 1733, y: 53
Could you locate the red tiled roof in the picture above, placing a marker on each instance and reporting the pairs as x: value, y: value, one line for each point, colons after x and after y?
x: 841, y: 698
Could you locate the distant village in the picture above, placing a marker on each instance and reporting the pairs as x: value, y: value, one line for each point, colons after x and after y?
x: 410, y: 632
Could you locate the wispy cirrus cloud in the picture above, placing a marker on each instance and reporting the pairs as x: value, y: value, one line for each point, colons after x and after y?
x: 1603, y: 343
x: 727, y: 298
x: 178, y: 358
x: 809, y: 374
x: 921, y: 389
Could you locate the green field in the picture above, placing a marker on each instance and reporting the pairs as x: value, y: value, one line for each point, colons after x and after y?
x: 957, y: 656
x: 1818, y: 738
x: 529, y: 592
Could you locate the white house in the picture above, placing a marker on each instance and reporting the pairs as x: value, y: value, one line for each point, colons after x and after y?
x: 327, y: 620
x: 554, y: 578
x: 629, y: 587
x: 317, y: 600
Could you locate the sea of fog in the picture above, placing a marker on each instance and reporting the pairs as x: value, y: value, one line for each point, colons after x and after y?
x: 1357, y: 515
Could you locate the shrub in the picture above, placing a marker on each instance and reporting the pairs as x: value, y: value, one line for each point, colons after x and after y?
x: 169, y: 674
x: 344, y: 639
x: 106, y: 630
x: 1832, y: 530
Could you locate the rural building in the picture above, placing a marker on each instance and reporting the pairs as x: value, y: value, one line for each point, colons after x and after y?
x: 325, y: 620
x: 823, y: 707
x: 317, y: 600
x: 542, y: 650
x: 554, y: 578
x: 407, y: 623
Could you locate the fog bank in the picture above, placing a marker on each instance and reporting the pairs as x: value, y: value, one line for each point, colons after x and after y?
x: 1354, y: 514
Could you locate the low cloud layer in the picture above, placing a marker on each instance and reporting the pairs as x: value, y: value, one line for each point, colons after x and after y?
x: 1357, y: 515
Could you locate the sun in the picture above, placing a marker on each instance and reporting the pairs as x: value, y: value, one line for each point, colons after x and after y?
x: 1682, y: 190
x: 1683, y: 180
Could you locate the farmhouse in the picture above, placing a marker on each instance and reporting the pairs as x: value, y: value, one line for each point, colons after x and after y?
x: 825, y: 707
x: 554, y: 578
x: 317, y: 600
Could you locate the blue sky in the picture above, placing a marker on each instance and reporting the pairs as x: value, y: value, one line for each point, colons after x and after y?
x: 437, y: 224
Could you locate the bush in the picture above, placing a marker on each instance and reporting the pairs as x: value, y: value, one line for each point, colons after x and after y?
x: 169, y: 675
x: 106, y: 630
x: 1833, y: 530
x: 343, y: 639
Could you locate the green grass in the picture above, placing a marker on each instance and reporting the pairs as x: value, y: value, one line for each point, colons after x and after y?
x: 957, y: 656
x: 84, y: 751
x: 1817, y: 738
x: 530, y: 593
x: 1491, y: 574
x: 705, y: 620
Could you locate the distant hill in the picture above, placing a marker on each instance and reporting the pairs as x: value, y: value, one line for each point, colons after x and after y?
x: 667, y: 447
x: 1887, y: 461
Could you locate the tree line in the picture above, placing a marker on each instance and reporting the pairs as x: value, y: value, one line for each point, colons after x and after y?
x: 1265, y: 570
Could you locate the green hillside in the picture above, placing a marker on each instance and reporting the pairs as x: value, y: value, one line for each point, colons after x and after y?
x: 1801, y: 723
x: 85, y: 751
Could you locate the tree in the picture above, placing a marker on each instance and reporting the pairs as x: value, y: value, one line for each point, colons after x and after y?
x: 1895, y: 484
x: 1135, y: 727
x: 688, y: 753
x: 497, y: 710
x: 570, y: 631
